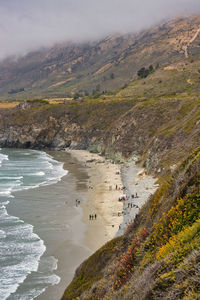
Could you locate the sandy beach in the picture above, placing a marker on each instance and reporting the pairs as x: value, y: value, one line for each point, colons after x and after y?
x: 102, y: 198
x: 58, y: 222
x: 138, y: 188
x: 66, y: 227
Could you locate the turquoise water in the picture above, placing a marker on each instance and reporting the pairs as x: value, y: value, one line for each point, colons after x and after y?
x: 20, y: 248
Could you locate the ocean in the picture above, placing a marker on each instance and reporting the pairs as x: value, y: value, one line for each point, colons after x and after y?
x: 30, y: 228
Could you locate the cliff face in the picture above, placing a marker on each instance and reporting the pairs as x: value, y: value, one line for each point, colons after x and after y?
x: 158, y: 256
x: 121, y: 129
x: 156, y: 120
x: 160, y: 131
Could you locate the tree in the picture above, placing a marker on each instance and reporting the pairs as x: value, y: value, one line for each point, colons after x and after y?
x: 76, y: 96
x: 143, y: 72
x: 150, y: 68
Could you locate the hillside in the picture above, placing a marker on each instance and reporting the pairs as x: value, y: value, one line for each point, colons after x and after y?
x: 157, y: 120
x: 158, y: 256
x: 93, y: 67
x: 154, y: 120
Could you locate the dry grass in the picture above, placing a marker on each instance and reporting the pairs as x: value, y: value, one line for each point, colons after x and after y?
x: 4, y: 105
x: 58, y: 100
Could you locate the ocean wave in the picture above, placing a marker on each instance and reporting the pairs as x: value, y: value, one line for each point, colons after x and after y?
x: 7, y: 193
x: 11, y: 178
x: 38, y: 173
x: 2, y: 234
x: 3, y: 157
x: 20, y: 248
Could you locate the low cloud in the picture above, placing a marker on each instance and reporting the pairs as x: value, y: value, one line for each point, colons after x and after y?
x: 29, y: 24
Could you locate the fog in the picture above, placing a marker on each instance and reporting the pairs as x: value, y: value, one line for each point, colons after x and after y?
x: 29, y: 24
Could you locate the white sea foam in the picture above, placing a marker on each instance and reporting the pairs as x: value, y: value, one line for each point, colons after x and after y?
x: 20, y: 247
x: 2, y: 234
x: 2, y: 158
x: 39, y: 174
x: 11, y: 178
x: 22, y: 250
x: 7, y: 194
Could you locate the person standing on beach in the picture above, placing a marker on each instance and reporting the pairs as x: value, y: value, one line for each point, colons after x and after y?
x: 95, y: 216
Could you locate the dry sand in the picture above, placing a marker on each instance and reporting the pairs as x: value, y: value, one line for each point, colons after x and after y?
x: 102, y: 198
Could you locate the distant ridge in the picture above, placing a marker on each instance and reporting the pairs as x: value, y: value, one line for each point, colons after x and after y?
x: 67, y: 69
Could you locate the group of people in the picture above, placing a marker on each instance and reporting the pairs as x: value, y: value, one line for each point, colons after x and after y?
x: 134, y: 196
x: 93, y: 217
x: 118, y: 188
x: 131, y: 205
x: 122, y: 198
x: 78, y: 202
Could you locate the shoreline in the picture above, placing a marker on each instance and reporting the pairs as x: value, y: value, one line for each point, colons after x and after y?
x: 92, y: 179
x: 103, y: 174
x: 51, y: 210
x: 69, y: 258
x: 102, y: 198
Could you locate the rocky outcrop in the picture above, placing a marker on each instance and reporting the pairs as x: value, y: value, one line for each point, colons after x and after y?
x: 120, y: 130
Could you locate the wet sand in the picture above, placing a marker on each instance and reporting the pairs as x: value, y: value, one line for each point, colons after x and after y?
x: 56, y: 219
x: 69, y: 234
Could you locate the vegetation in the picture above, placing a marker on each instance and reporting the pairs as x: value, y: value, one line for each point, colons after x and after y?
x: 111, y: 62
x: 91, y: 270
x: 143, y: 72
x: 161, y: 256
x: 15, y: 91
x: 156, y: 119
x: 160, y: 261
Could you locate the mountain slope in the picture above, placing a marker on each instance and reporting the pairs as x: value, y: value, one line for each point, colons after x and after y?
x: 156, y: 119
x: 158, y: 257
x: 160, y: 124
x: 110, y: 63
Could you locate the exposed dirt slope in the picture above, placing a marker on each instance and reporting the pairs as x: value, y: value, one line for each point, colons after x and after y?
x: 157, y: 120
x: 98, y: 66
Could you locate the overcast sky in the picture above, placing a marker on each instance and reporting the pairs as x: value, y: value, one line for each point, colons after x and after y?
x: 29, y: 24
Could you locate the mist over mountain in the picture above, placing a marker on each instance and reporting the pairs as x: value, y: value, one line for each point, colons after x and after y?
x: 70, y: 69
x: 29, y: 25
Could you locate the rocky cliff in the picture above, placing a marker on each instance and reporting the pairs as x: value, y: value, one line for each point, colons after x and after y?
x: 156, y: 119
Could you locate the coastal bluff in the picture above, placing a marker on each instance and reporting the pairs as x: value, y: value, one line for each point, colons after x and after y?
x: 162, y: 135
x: 153, y: 121
x: 155, y: 131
